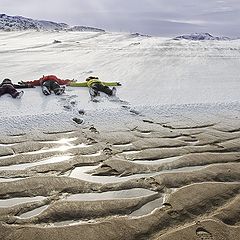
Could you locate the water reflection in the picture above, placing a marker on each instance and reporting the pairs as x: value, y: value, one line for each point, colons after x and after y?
x: 15, y: 201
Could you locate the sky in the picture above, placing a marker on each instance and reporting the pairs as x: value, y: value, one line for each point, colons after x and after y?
x: 153, y: 17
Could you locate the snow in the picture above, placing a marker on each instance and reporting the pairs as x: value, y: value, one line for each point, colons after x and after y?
x: 153, y: 72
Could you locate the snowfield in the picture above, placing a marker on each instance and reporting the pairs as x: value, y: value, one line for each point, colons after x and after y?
x: 154, y: 72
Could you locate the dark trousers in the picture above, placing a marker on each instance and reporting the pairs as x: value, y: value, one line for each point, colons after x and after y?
x: 101, y: 88
x: 8, y: 88
x: 51, y: 86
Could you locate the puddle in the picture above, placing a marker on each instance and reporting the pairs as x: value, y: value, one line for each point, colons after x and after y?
x: 150, y: 206
x: 81, y: 173
x: 59, y: 149
x: 27, y: 165
x: 66, y: 141
x: 15, y: 201
x: 130, y: 152
x: 183, y: 169
x: 49, y: 150
x: 67, y: 223
x: 8, y: 156
x: 163, y: 160
x: 147, y: 208
x: 123, y: 145
x: 34, y: 212
x: 130, y: 193
x: 93, y: 154
x: 146, y: 133
x: 10, y: 179
x: 193, y: 143
x: 6, y: 144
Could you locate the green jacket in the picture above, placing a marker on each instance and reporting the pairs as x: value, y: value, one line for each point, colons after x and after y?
x: 91, y: 82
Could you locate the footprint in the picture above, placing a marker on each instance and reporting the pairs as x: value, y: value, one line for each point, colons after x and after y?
x: 67, y: 107
x: 93, y: 129
x: 134, y: 112
x: 125, y: 107
x: 71, y: 96
x: 107, y: 151
x: 173, y: 214
x: 78, y: 120
x: 56, y: 41
x: 167, y: 205
x: 81, y: 111
x: 147, y: 121
x: 73, y: 102
x: 91, y: 141
x: 203, y: 234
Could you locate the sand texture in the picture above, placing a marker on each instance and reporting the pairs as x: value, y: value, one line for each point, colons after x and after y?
x: 156, y: 180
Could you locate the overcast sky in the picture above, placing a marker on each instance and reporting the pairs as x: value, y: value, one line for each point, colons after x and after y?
x: 154, y: 17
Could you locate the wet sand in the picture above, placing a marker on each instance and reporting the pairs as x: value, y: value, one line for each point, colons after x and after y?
x: 151, y: 179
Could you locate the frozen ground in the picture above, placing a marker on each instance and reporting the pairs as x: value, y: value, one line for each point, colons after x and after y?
x: 154, y: 72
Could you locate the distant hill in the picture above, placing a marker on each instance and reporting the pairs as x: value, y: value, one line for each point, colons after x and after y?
x: 19, y: 23
x: 139, y: 35
x: 199, y: 37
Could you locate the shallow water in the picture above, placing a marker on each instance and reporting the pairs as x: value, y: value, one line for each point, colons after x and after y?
x: 10, y: 179
x: 34, y: 212
x: 59, y: 149
x: 163, y: 160
x: 62, y: 141
x: 81, y: 173
x: 67, y: 223
x: 28, y: 165
x: 130, y: 193
x: 146, y: 133
x: 130, y: 152
x: 6, y: 144
x: 15, y: 201
x: 148, y: 208
x: 123, y: 145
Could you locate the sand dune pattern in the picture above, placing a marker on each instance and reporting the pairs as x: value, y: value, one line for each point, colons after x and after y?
x: 157, y: 181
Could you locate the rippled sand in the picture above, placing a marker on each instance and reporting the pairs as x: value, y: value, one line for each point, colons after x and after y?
x: 157, y: 180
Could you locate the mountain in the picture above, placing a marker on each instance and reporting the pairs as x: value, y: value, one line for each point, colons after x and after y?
x: 85, y: 29
x: 200, y: 36
x: 19, y: 23
x: 139, y: 35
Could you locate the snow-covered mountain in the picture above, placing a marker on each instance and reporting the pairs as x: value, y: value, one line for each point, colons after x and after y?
x: 19, y: 23
x: 139, y: 35
x: 200, y: 36
x: 85, y: 29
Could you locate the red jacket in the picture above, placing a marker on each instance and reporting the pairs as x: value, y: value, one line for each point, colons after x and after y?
x: 43, y: 79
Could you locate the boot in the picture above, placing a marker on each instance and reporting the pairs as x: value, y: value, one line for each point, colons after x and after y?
x: 19, y: 94
x: 114, y: 90
x: 59, y: 91
x: 45, y: 90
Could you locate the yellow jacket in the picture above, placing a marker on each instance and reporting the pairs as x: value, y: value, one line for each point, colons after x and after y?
x: 91, y: 82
